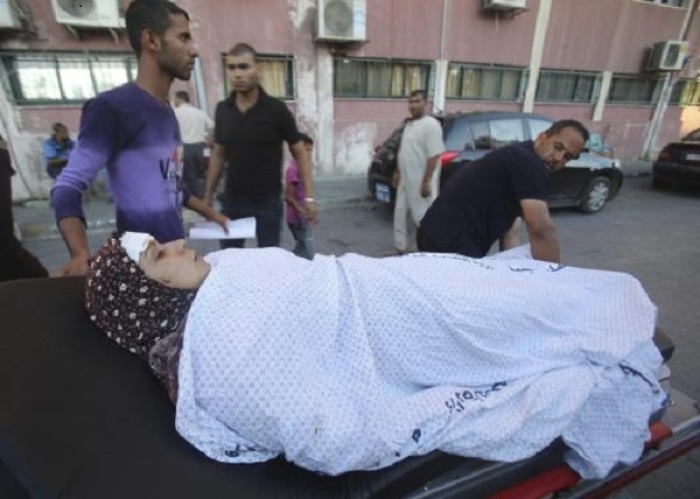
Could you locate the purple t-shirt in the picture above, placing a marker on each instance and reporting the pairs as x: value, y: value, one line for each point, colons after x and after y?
x: 135, y: 136
x: 292, y: 177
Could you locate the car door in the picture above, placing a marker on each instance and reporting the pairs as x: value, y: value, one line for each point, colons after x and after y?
x: 566, y: 184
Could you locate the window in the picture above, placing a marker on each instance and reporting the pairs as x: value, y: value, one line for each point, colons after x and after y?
x: 37, y: 79
x: 382, y: 79
x: 481, y: 134
x: 565, y: 86
x: 686, y: 93
x: 276, y: 75
x: 488, y: 134
x: 633, y: 90
x: 468, y: 81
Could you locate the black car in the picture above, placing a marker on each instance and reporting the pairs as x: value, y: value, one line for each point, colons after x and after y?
x: 587, y: 183
x: 678, y: 163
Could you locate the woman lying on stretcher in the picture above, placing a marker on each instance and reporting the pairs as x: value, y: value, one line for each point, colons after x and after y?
x: 355, y: 363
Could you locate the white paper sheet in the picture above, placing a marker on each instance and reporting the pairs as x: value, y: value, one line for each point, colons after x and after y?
x: 242, y: 228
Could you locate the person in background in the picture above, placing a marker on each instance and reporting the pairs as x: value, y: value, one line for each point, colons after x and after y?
x: 250, y: 128
x: 132, y: 129
x: 416, y: 174
x: 297, y: 217
x: 15, y: 261
x: 195, y: 129
x: 57, y: 149
x: 483, y: 201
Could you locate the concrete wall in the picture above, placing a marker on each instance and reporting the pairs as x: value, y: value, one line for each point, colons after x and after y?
x: 491, y: 38
x: 596, y: 35
x: 591, y: 35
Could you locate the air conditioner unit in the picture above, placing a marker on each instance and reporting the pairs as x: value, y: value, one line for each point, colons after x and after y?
x: 341, y: 20
x: 504, y: 4
x: 667, y: 56
x: 7, y: 15
x: 88, y: 13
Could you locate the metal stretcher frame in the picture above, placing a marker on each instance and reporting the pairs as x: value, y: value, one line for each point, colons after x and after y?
x: 676, y: 434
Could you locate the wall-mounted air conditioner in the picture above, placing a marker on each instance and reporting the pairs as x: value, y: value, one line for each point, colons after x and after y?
x: 341, y: 20
x: 88, y: 13
x: 504, y: 4
x: 667, y: 56
x: 7, y: 15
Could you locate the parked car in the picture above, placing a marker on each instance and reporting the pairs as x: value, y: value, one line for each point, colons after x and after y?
x: 678, y: 163
x: 587, y: 183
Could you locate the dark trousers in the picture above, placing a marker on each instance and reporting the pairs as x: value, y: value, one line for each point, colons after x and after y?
x: 268, y: 218
x: 303, y: 240
x: 427, y: 245
x: 54, y: 170
x: 193, y: 168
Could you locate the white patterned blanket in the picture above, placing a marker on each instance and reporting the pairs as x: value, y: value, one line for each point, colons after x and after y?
x: 355, y: 363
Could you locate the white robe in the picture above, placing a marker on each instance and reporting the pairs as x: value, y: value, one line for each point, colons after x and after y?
x: 421, y: 140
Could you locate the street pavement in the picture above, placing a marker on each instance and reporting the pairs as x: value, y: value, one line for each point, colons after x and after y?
x: 652, y: 235
x: 35, y: 218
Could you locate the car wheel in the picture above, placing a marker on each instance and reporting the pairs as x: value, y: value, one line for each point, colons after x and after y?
x: 660, y: 183
x: 596, y: 195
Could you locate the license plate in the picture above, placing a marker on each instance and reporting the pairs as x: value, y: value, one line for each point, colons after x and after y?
x: 693, y: 157
x: 382, y: 193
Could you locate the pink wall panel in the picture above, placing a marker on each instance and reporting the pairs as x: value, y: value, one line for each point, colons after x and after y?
x: 607, y: 34
x: 580, y: 34
x: 403, y: 29
x: 464, y: 106
x: 625, y: 129
x: 484, y: 37
x: 581, y: 112
x: 385, y: 115
x: 40, y: 119
x: 671, y: 127
x: 640, y: 25
x: 265, y: 24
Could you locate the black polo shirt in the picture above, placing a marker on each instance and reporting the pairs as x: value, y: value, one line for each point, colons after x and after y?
x: 481, y: 200
x: 253, y: 144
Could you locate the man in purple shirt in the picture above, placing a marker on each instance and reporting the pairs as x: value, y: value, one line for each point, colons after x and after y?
x: 134, y: 132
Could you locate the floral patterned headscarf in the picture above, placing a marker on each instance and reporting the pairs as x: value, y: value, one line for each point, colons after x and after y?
x: 132, y: 309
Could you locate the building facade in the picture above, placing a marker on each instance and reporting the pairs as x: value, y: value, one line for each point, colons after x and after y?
x: 558, y: 58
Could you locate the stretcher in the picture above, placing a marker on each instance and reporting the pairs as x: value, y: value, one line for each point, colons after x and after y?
x: 82, y: 418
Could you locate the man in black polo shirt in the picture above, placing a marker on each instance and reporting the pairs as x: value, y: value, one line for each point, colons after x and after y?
x: 483, y: 200
x: 250, y: 127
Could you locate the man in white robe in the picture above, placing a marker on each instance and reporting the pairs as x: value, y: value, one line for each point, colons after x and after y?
x: 418, y: 175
